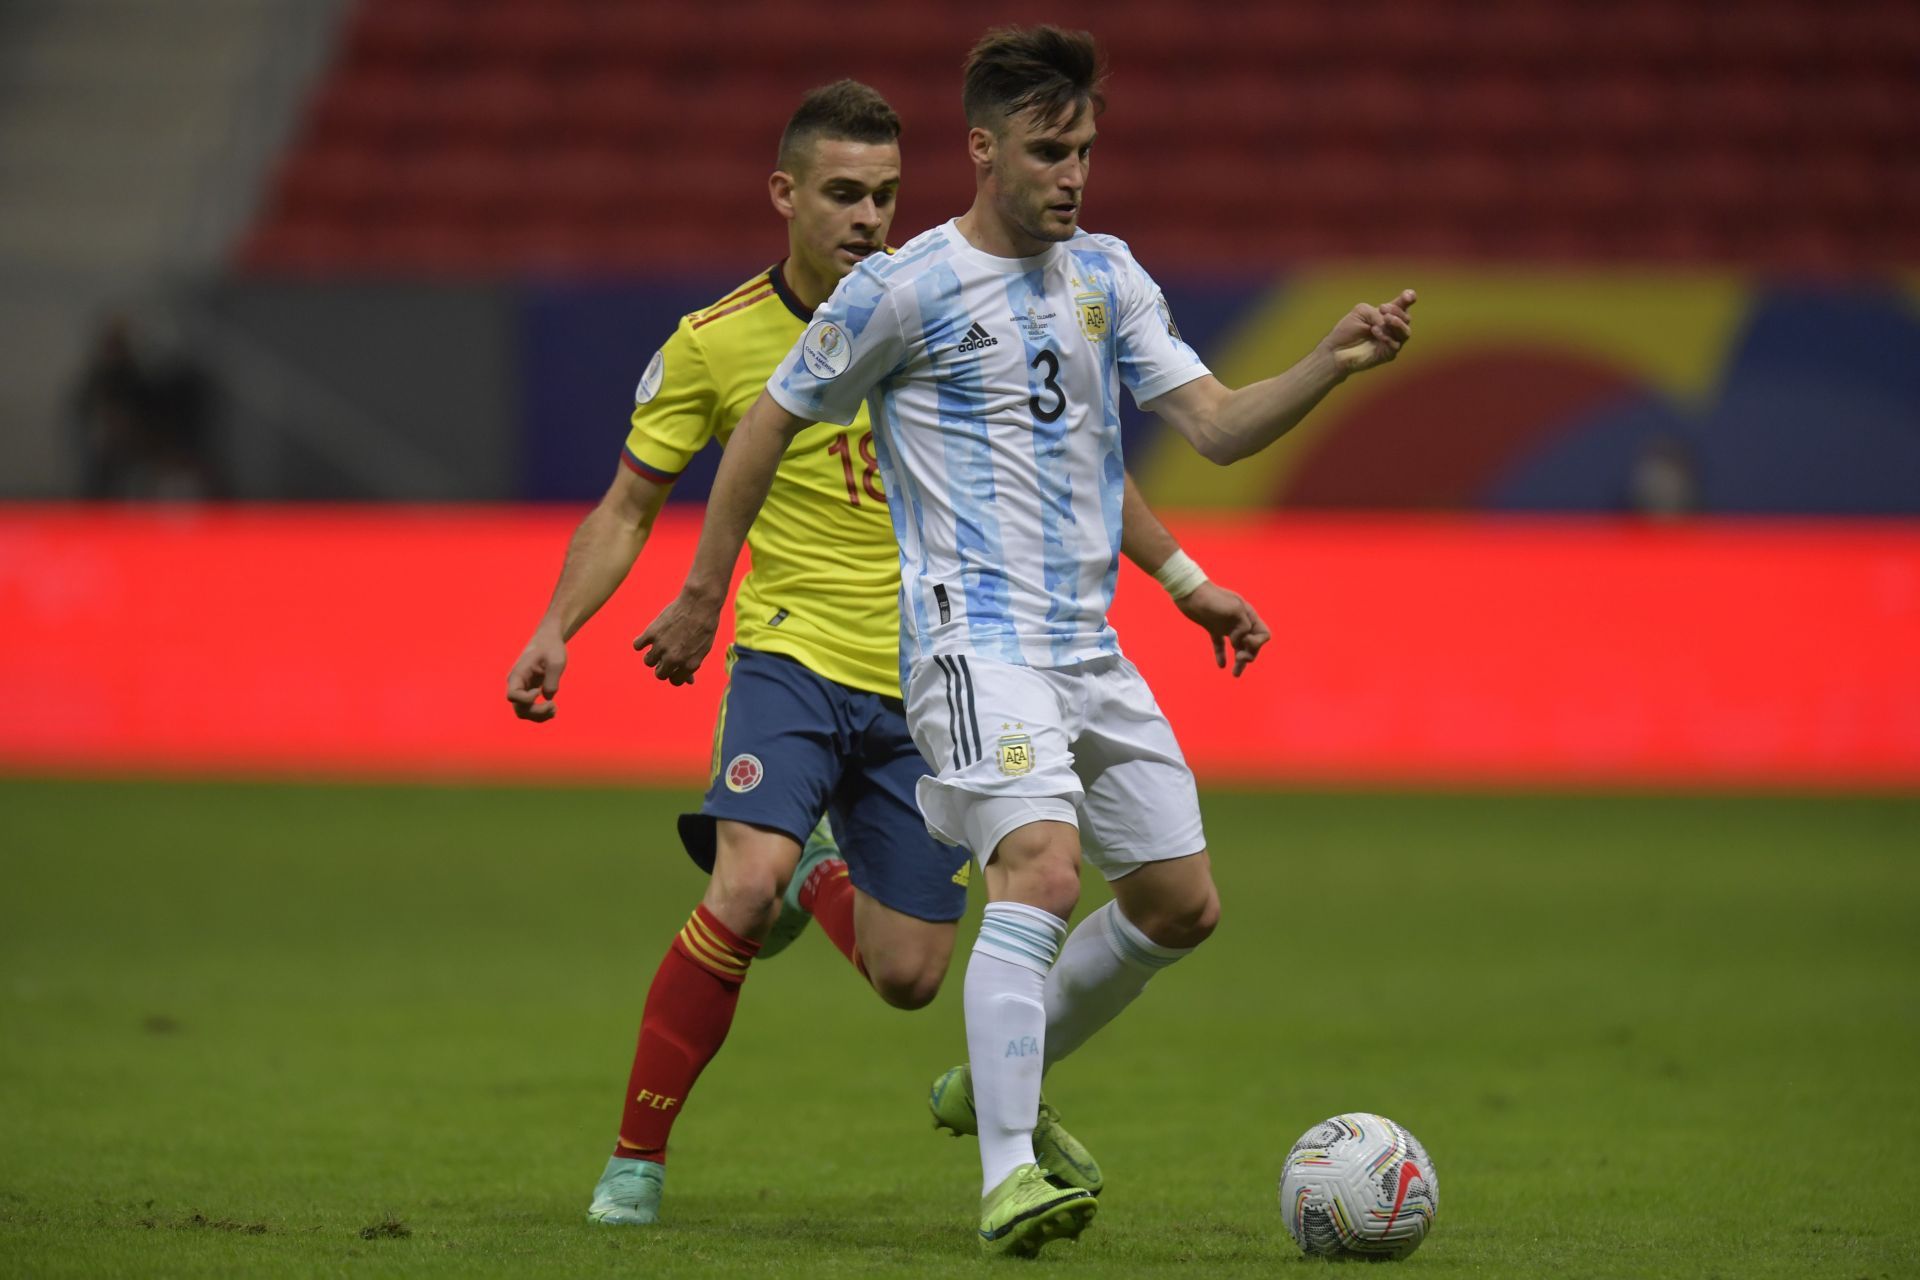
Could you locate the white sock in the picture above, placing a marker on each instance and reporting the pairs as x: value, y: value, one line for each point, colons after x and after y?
x: 1105, y: 964
x: 1007, y: 1029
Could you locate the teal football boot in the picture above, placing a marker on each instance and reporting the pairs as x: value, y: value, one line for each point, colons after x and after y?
x: 628, y: 1193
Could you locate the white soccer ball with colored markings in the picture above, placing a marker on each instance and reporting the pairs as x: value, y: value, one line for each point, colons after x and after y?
x: 1358, y: 1186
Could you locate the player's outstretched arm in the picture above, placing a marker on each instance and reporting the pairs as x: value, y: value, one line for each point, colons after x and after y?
x: 1224, y: 615
x: 1226, y: 426
x: 599, y: 557
x: 676, y: 642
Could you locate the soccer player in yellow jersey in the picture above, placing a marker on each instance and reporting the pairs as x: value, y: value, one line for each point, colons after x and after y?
x: 812, y: 723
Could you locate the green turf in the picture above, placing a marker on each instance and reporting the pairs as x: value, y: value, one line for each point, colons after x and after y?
x: 243, y: 1028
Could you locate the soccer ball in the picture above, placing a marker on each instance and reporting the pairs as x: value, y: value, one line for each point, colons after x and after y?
x: 1358, y: 1186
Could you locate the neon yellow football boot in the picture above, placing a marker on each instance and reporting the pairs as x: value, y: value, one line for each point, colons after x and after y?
x: 1025, y: 1212
x: 1060, y: 1154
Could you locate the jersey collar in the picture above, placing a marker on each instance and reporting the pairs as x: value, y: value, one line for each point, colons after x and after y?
x: 1004, y: 266
x: 778, y: 278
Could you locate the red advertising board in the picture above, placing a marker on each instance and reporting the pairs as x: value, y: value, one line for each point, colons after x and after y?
x: 375, y: 642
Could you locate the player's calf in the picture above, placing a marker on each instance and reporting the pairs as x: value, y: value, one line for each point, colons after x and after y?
x: 818, y: 856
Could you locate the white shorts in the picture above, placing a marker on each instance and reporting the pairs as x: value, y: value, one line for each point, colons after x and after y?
x: 1084, y: 744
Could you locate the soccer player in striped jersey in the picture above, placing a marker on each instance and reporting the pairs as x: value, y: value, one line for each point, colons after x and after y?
x: 812, y: 722
x: 990, y: 352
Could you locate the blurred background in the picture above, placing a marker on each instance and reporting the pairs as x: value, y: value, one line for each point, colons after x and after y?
x: 342, y: 253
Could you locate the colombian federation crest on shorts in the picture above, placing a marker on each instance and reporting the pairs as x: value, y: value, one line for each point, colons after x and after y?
x: 1016, y: 754
x: 744, y: 772
x: 650, y: 380
x: 826, y: 349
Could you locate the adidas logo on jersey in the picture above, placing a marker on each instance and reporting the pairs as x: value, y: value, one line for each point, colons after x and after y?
x: 977, y: 339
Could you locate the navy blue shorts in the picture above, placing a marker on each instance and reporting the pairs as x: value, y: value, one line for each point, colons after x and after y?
x: 793, y: 745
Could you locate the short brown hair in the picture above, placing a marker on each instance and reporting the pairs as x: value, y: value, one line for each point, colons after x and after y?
x: 845, y: 110
x: 1043, y: 69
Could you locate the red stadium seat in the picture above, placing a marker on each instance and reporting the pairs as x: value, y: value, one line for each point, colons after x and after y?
x: 502, y: 135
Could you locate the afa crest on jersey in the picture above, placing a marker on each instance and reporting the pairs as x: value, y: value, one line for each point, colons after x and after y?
x: 1093, y: 315
x: 1016, y: 754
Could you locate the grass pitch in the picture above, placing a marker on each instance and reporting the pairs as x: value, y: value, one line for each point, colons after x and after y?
x: 383, y: 1031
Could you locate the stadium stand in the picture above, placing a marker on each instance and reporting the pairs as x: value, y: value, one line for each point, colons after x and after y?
x: 134, y: 138
x: 463, y: 137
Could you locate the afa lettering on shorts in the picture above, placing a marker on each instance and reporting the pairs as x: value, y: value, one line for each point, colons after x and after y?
x: 1016, y: 754
x: 744, y: 772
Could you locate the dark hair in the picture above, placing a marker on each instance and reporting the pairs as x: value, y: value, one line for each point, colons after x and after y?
x: 1043, y: 69
x: 845, y: 110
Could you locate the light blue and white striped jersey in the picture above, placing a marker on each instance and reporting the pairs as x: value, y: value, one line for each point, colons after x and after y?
x: 994, y: 387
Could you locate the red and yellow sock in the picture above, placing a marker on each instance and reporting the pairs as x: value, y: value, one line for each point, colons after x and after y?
x: 688, y: 1012
x: 827, y: 895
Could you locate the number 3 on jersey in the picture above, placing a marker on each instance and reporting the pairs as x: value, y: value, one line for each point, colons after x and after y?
x: 869, y: 475
x: 1050, y: 407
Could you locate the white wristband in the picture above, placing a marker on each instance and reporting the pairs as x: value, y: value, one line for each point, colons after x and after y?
x: 1180, y: 575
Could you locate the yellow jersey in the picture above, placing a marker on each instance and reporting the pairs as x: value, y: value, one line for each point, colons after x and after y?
x: 824, y: 588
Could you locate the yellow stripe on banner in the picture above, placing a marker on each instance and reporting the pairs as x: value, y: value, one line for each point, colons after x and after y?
x: 707, y: 954
x: 720, y: 720
x: 1672, y: 331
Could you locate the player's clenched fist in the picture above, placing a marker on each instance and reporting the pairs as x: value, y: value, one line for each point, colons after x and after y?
x: 1368, y: 335
x: 676, y: 642
x: 536, y: 676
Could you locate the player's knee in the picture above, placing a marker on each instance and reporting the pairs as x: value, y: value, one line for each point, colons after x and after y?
x: 1040, y: 869
x: 907, y: 985
x: 1185, y: 921
x: 905, y: 959
x: 1050, y: 885
x: 746, y: 898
